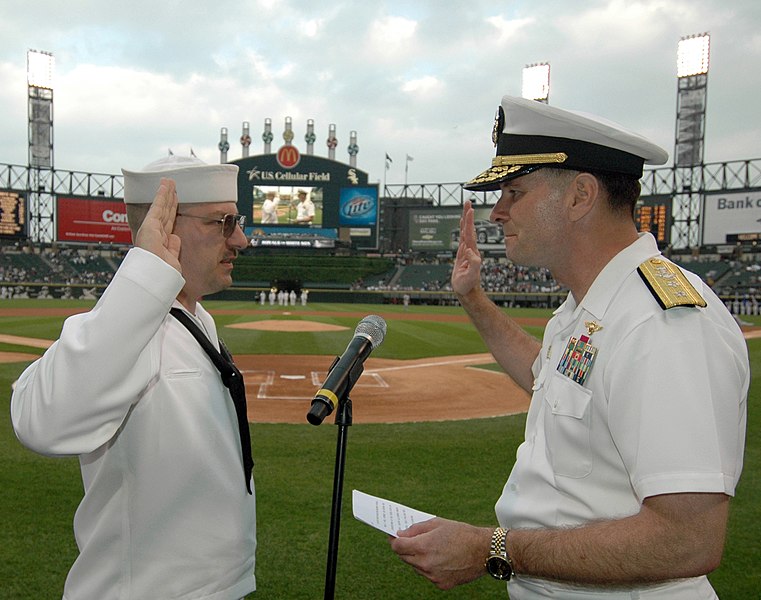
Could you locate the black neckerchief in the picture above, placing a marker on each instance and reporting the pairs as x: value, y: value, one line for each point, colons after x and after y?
x: 233, y: 381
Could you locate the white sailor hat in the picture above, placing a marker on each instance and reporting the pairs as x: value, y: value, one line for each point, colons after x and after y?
x: 530, y: 135
x: 196, y: 181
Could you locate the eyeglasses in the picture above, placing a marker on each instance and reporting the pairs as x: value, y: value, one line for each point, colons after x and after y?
x: 228, y: 222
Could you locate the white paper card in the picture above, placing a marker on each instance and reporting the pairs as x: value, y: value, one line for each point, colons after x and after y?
x: 385, y: 515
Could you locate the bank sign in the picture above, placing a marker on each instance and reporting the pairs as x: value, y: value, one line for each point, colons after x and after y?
x: 727, y: 216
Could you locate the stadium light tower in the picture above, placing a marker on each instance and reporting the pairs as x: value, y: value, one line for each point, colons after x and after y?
x: 40, y: 69
x: 39, y: 77
x: 536, y: 82
x: 692, y: 77
x: 693, y: 54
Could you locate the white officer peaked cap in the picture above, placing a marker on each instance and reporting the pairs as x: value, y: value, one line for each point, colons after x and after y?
x: 196, y: 181
x: 530, y: 135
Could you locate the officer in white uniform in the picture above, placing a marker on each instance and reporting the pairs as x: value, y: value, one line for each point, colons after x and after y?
x: 305, y: 209
x: 636, y: 428
x: 166, y: 512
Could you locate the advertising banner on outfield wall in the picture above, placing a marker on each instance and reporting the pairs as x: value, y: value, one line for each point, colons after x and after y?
x: 434, y: 230
x: 92, y: 221
x: 731, y: 217
x: 438, y: 229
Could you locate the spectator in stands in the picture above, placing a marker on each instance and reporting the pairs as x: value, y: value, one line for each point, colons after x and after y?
x: 168, y: 508
x: 635, y: 433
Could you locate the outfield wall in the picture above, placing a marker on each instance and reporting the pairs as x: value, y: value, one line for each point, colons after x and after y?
x: 327, y: 295
x: 436, y: 298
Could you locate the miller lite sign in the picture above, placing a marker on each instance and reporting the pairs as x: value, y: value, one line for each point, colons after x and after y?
x: 358, y: 206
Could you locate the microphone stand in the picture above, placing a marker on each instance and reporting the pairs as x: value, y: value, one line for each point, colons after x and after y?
x: 343, y: 420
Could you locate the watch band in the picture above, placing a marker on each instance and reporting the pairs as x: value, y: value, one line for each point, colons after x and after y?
x: 498, y: 563
x: 498, y: 542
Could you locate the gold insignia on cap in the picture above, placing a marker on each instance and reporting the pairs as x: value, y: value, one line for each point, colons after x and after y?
x: 493, y: 174
x: 505, y: 165
x: 668, y: 284
x: 499, y: 125
x: 529, y: 159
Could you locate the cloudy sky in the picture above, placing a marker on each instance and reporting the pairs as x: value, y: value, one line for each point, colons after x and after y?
x: 418, y: 78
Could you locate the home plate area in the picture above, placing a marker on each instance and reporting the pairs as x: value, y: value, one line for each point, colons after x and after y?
x: 269, y: 385
x: 280, y: 389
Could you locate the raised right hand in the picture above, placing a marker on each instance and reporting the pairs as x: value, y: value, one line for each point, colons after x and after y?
x: 155, y: 234
x: 466, y: 273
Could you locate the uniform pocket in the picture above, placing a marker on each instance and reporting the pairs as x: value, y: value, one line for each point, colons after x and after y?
x: 180, y: 373
x: 567, y: 427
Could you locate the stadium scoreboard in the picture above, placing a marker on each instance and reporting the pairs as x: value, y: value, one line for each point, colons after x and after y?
x: 13, y: 214
x: 653, y: 215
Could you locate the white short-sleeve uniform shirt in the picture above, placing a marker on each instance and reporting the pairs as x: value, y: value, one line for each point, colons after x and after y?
x: 660, y: 409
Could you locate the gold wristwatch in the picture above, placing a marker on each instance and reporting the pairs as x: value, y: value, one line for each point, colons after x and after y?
x: 498, y: 563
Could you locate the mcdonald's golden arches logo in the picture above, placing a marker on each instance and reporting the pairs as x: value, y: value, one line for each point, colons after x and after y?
x: 288, y: 156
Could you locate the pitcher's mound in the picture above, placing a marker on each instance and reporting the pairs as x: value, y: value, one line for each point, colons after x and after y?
x: 286, y: 325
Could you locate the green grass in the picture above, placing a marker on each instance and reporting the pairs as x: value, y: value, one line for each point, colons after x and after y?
x: 455, y: 470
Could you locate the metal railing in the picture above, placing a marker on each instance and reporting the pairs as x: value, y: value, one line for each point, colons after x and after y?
x: 684, y: 184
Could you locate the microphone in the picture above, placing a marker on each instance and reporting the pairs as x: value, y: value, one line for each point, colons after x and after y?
x: 345, y: 371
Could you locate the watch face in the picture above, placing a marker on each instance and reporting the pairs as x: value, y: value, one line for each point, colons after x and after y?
x: 498, y: 567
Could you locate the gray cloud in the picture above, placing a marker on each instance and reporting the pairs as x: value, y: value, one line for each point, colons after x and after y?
x: 417, y: 78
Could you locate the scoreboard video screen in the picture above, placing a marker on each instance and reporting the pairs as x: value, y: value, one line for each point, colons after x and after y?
x: 279, y: 205
x: 13, y: 214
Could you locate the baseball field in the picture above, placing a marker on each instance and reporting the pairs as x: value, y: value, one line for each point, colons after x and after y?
x: 435, y: 426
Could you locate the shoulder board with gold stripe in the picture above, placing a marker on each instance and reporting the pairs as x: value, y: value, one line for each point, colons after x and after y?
x: 668, y: 284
